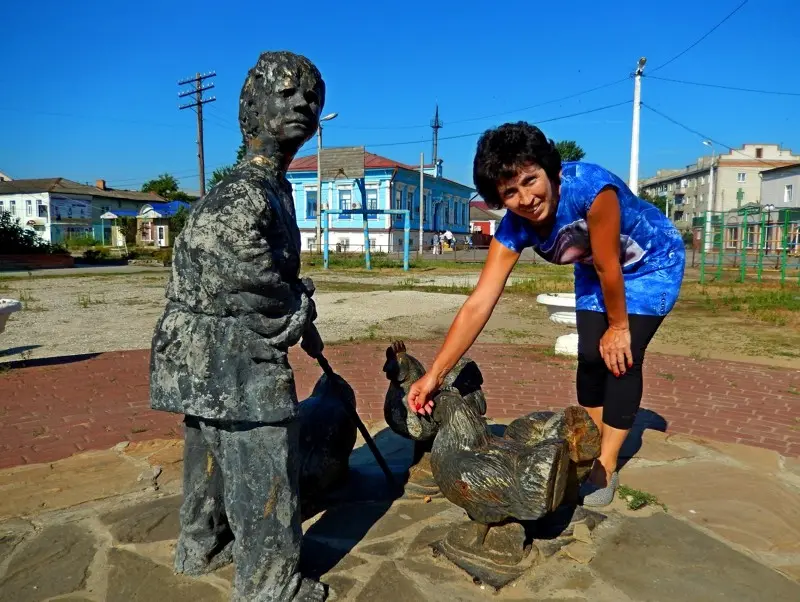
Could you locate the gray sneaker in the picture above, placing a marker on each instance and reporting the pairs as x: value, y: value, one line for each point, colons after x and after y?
x: 596, y: 496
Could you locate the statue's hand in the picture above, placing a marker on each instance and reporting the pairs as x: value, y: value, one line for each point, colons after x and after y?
x: 420, y: 395
x: 312, y: 342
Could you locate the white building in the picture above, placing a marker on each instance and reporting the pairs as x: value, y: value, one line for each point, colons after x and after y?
x: 58, y: 209
x: 737, y: 181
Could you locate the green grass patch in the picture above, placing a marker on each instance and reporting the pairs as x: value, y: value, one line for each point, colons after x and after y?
x: 636, y: 499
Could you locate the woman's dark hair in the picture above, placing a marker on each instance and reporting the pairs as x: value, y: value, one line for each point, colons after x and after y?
x: 504, y: 150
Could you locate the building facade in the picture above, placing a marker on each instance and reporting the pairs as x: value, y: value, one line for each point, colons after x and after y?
x: 58, y: 209
x: 737, y: 181
x: 388, y: 184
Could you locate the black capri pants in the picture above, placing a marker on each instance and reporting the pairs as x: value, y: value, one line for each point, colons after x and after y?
x: 597, y: 386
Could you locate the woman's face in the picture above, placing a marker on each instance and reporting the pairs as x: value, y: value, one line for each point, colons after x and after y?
x: 530, y: 194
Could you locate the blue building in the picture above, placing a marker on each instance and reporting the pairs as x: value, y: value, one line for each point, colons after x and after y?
x: 389, y: 184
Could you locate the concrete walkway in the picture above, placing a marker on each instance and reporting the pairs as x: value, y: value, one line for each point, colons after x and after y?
x: 101, y: 526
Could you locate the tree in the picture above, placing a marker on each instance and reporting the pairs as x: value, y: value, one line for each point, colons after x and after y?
x: 570, y: 151
x: 165, y: 186
x: 15, y: 238
x: 221, y: 172
x: 177, y: 222
x: 658, y: 201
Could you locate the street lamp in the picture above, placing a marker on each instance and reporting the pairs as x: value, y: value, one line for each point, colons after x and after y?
x: 711, y: 203
x: 633, y: 179
x: 327, y: 117
x: 768, y: 237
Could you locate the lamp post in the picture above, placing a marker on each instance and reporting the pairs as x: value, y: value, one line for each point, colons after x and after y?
x: 768, y: 238
x: 319, y: 176
x: 633, y: 180
x: 711, y: 203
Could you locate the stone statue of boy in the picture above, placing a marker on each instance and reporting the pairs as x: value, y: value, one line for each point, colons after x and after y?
x: 219, y: 355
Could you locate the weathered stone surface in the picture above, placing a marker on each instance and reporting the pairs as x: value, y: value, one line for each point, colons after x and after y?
x: 662, y: 559
x: 144, y: 523
x: 388, y: 583
x: 318, y: 558
x: 742, y: 506
x: 757, y: 458
x: 437, y: 572
x: 426, y: 537
x: 654, y: 446
x: 12, y: 532
x: 132, y: 578
x: 340, y: 585
x: 54, y: 563
x: 582, y: 533
x: 385, y: 549
x: 28, y: 490
x: 167, y: 453
x: 580, y: 552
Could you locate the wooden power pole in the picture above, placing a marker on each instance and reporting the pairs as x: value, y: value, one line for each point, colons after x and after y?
x: 197, y: 106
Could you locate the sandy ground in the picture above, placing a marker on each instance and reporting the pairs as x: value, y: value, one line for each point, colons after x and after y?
x: 72, y: 315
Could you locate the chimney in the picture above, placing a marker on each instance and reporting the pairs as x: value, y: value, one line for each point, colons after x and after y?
x: 101, y: 184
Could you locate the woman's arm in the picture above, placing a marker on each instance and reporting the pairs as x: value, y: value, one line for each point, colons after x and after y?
x: 467, y: 325
x: 604, y: 234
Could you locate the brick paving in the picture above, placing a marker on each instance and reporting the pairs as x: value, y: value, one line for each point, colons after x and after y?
x: 51, y: 411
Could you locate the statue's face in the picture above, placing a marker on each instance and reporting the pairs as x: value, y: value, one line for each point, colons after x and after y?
x: 292, y: 110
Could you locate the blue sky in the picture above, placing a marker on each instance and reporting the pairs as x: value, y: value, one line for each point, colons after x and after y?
x: 90, y: 88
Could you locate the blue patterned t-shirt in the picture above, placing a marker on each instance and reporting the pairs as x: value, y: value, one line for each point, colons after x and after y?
x: 651, y: 249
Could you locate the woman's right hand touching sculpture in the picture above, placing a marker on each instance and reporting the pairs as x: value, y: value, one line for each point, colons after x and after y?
x: 420, y: 396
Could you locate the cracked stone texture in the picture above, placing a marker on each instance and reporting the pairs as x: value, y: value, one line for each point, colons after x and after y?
x: 66, y: 483
x: 53, y: 563
x: 653, y: 446
x: 389, y: 583
x: 166, y: 453
x: 742, y: 506
x: 145, y: 523
x: 132, y: 578
x: 667, y: 560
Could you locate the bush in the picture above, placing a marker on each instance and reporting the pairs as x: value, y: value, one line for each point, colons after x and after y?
x: 82, y: 241
x: 18, y: 240
x: 96, y: 255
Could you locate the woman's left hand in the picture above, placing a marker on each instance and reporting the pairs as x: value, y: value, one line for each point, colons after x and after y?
x: 615, y: 349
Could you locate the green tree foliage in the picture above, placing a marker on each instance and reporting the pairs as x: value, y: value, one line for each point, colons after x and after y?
x: 16, y: 239
x: 658, y: 201
x: 218, y: 174
x: 177, y: 222
x: 165, y: 186
x: 570, y: 151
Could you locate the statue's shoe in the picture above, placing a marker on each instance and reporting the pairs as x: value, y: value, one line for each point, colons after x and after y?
x: 594, y: 496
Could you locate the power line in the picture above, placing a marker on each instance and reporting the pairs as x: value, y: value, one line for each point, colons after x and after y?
x: 680, y: 81
x: 90, y: 117
x: 703, y: 37
x: 705, y: 137
x: 537, y: 121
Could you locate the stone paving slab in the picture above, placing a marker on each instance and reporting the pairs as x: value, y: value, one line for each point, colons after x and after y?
x: 120, y: 548
x: 52, y: 410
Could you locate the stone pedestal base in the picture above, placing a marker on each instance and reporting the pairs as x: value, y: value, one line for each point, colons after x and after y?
x: 567, y: 344
x: 493, y: 556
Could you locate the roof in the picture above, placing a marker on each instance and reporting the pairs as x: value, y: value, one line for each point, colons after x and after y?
x: 120, y: 213
x: 64, y: 186
x: 781, y: 168
x: 481, y: 205
x: 167, y: 209
x: 371, y: 161
x: 476, y: 214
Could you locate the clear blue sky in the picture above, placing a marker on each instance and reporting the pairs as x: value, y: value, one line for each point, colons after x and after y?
x: 90, y: 88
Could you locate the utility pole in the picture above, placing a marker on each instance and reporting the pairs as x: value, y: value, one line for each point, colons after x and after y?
x: 197, y: 105
x: 436, y: 125
x: 633, y: 179
x: 421, y: 203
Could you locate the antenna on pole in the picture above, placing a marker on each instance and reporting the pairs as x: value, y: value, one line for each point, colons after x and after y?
x: 436, y: 125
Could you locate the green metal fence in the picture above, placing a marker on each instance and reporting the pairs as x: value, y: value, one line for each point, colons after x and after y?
x: 751, y: 241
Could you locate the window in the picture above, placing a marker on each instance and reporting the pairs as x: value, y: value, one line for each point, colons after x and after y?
x: 759, y: 153
x: 702, y: 180
x: 410, y: 201
x: 372, y: 202
x: 700, y: 199
x: 345, y: 200
x: 42, y: 210
x: 741, y: 177
x: 2, y: 206
x: 311, y: 204
x: 29, y: 207
x: 752, y: 236
x: 12, y: 207
x: 732, y: 237
x: 684, y: 183
x: 788, y: 192
x: 373, y: 244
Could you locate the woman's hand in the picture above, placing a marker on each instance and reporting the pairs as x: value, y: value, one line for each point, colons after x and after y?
x: 420, y: 396
x: 615, y: 349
